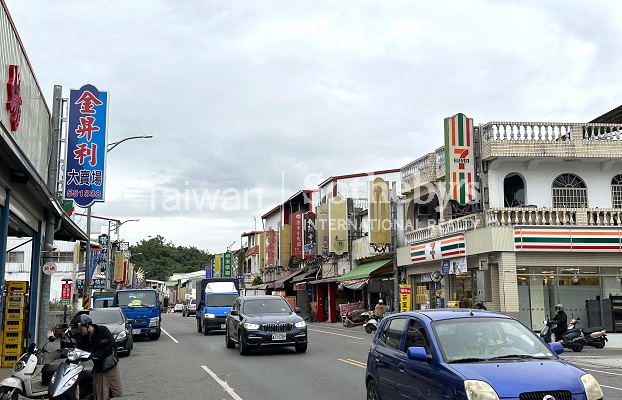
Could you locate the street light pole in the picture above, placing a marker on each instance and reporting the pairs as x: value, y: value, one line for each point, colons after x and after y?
x: 87, y: 264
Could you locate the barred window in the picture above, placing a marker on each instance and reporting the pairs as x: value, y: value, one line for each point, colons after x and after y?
x: 569, y: 191
x: 15, y: 257
x: 616, y: 191
x: 65, y: 256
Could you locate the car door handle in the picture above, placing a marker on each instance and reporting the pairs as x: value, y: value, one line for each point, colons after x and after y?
x: 401, y: 367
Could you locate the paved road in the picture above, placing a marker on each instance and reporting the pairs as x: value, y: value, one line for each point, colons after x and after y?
x: 185, y: 364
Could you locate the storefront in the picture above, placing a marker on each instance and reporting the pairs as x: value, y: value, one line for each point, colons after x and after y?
x: 26, y: 200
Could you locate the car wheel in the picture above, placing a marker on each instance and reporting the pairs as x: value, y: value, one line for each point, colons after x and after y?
x: 205, y: 330
x: 228, y: 342
x: 301, y: 348
x: 199, y: 326
x: 372, y: 391
x: 242, y: 343
x: 368, y: 329
x: 155, y: 336
x: 128, y: 349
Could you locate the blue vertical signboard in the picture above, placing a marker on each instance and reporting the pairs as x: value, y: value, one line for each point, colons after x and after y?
x: 85, y: 160
x: 209, y: 270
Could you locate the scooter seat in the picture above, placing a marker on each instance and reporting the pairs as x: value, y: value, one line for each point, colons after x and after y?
x: 593, y: 329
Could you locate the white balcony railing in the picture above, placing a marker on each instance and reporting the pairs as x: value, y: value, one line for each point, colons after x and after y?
x: 510, y: 216
x: 458, y: 225
x: 550, y: 131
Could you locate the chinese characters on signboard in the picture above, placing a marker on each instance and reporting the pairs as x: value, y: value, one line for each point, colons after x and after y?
x: 14, y: 100
x: 297, y: 234
x: 85, y: 160
x: 227, y: 267
x: 404, y: 297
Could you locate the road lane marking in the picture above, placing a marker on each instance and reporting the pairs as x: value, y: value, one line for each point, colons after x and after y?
x: 222, y: 383
x: 167, y: 334
x: 353, y: 362
x: 337, y: 334
x: 611, y: 387
x: 602, y: 372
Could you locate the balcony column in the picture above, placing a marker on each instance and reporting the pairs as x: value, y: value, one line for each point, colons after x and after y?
x: 506, y: 283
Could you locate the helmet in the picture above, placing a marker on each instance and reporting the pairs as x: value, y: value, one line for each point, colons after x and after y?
x: 83, y: 320
x: 559, y: 307
x: 380, y: 301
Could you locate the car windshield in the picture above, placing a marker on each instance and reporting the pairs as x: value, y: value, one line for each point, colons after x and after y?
x: 136, y: 298
x: 483, y: 339
x: 107, y: 317
x: 221, y: 300
x: 266, y: 306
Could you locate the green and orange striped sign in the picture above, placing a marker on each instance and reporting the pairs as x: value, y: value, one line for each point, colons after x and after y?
x: 568, y: 239
x: 459, y: 159
x: 438, y: 250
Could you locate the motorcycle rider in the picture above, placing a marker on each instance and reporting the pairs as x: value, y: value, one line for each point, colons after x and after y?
x: 561, y: 320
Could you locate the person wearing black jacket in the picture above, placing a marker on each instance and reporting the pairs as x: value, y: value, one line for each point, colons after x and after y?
x: 100, y: 343
x: 561, y: 321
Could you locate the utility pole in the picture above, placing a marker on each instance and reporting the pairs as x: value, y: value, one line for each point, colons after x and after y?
x: 50, y: 223
x: 396, y: 270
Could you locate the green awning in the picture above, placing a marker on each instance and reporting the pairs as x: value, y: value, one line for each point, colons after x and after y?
x: 363, y: 270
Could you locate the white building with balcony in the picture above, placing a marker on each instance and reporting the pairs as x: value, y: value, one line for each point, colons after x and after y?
x: 543, y: 225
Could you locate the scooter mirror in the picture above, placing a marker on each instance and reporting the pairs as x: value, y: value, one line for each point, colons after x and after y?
x: 51, y: 338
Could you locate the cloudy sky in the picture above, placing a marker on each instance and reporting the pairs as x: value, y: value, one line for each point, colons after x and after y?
x: 266, y: 95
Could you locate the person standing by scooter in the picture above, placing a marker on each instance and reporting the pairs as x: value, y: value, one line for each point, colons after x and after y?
x: 100, y: 343
x: 379, y: 310
x: 561, y: 320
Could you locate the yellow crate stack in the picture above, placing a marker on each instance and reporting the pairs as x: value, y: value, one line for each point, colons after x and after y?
x: 14, y: 321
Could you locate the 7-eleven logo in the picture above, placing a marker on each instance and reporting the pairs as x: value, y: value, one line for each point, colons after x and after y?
x: 433, y: 249
x: 462, y: 159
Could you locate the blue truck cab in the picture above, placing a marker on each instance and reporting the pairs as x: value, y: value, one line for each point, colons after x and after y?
x: 142, y: 307
x: 217, y: 296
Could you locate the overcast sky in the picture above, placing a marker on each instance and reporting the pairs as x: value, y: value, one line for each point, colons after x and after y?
x: 260, y: 95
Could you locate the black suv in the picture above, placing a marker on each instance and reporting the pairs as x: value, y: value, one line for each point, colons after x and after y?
x: 264, y: 321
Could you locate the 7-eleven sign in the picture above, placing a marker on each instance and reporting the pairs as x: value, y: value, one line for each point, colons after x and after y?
x: 459, y: 159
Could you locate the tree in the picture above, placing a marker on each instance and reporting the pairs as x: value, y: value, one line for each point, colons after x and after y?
x: 160, y: 258
x: 257, y: 280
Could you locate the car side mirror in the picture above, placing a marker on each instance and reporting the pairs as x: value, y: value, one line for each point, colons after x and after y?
x: 419, y: 354
x: 297, y: 310
x: 234, y: 312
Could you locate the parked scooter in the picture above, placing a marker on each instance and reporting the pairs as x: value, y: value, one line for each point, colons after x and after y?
x: 65, y: 384
x: 595, y: 336
x: 25, y: 380
x: 371, y: 325
x: 571, y: 339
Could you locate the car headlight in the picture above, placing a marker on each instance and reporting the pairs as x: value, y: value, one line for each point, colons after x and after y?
x: 121, y: 335
x: 300, y: 324
x: 155, y: 321
x: 250, y: 326
x: 479, y: 390
x: 208, y: 315
x: 592, y: 388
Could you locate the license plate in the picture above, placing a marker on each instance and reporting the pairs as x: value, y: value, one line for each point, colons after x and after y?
x: 135, y: 331
x: 279, y: 336
x: 222, y: 326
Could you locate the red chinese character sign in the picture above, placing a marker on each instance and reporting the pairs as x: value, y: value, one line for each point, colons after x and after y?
x: 85, y: 163
x: 14, y: 100
x: 65, y: 294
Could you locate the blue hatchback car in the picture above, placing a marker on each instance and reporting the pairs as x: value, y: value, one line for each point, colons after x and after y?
x: 467, y: 354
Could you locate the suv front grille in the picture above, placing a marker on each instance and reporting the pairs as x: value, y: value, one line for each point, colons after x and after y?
x: 557, y: 394
x: 277, y: 327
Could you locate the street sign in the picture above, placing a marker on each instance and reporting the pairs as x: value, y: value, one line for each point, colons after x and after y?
x: 239, y: 276
x: 65, y: 294
x: 103, y: 240
x: 97, y: 283
x: 49, y: 268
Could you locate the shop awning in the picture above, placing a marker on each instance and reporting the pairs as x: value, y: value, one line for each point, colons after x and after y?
x: 308, y: 275
x: 364, y: 270
x: 280, y: 283
x: 261, y: 286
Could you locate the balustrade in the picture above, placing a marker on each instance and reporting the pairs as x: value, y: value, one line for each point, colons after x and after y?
x: 550, y: 131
